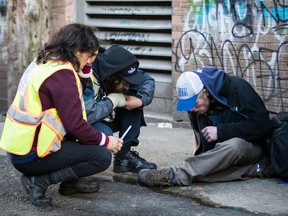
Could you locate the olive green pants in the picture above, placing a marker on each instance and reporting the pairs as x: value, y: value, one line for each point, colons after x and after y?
x: 234, y: 159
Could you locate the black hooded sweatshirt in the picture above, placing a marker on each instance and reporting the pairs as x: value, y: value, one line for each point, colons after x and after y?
x: 238, y: 109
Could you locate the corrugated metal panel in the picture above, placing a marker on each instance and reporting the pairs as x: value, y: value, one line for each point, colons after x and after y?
x: 129, y: 23
x: 142, y: 27
x: 135, y: 36
x: 131, y: 10
x: 139, y: 1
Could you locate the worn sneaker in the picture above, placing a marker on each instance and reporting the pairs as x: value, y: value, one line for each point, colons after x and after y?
x: 156, y: 178
x: 131, y: 162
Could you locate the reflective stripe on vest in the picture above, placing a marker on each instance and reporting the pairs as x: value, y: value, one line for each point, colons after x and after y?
x: 25, y: 115
x: 95, y: 85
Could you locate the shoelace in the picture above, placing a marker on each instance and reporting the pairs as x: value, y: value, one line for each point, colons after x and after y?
x: 136, y: 154
x: 162, y: 177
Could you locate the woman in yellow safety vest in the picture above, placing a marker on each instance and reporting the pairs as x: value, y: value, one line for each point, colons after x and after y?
x: 46, y: 135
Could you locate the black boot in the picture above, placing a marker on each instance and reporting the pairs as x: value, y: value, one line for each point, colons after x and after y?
x: 80, y: 186
x: 36, y: 186
x: 36, y: 192
x: 131, y: 162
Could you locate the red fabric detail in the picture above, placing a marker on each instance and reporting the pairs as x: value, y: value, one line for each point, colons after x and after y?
x: 86, y: 69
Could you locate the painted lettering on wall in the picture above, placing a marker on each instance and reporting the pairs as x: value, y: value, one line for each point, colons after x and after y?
x: 247, y: 38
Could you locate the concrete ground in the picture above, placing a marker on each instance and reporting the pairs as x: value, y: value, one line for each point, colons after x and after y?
x: 120, y: 194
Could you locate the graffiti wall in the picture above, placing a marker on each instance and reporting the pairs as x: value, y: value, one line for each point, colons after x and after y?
x: 246, y: 38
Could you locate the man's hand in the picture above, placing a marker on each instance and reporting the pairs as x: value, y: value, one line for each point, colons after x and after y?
x: 115, y: 144
x: 132, y: 102
x: 210, y: 133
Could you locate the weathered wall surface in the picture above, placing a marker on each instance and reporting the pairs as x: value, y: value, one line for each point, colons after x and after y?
x: 28, y: 27
x: 30, y: 23
x: 247, y: 38
x: 3, y: 57
x: 62, y: 13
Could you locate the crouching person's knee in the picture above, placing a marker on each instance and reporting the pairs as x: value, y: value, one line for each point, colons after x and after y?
x: 102, y: 161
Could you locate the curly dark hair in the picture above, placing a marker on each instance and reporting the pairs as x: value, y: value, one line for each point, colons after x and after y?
x: 67, y: 41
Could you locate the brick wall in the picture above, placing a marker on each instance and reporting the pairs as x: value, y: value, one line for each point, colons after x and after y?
x: 62, y: 13
x: 245, y: 38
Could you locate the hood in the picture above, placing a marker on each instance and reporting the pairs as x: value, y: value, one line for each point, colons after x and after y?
x: 117, y: 59
x: 212, y: 79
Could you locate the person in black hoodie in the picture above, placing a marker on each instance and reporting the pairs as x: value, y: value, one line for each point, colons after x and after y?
x: 230, y: 123
x: 114, y: 100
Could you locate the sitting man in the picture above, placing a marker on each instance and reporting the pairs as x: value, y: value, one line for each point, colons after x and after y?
x: 230, y: 123
x: 114, y: 100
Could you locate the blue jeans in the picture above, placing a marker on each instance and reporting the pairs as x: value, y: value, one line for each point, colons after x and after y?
x: 123, y: 119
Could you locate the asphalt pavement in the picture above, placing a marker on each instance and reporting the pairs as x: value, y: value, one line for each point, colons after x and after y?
x: 120, y: 194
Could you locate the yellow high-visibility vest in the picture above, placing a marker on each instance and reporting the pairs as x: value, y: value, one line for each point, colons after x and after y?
x: 25, y: 114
